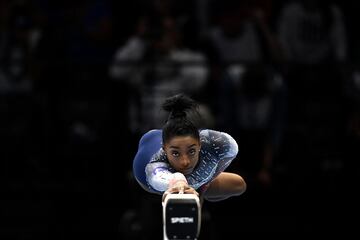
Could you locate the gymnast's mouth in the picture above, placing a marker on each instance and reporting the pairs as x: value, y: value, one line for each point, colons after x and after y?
x: 186, y: 170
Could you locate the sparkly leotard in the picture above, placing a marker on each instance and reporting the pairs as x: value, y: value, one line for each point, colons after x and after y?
x: 218, y: 149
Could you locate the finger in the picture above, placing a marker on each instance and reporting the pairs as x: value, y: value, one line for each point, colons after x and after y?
x: 181, y: 190
x: 173, y: 190
x: 191, y: 191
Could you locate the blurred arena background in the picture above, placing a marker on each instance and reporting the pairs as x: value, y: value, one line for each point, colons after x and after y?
x: 81, y: 81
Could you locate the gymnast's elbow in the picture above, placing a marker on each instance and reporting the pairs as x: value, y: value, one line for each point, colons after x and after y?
x: 225, y: 186
x: 241, y: 187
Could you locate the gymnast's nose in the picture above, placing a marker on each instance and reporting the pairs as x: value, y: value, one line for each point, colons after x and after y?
x: 185, y: 162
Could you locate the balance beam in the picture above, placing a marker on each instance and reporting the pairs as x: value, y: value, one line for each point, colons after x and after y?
x: 181, y: 216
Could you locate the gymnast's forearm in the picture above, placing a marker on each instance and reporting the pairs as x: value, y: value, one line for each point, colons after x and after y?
x: 224, y: 186
x: 160, y: 178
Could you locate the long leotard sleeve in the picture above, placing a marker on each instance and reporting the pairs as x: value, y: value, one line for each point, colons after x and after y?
x: 229, y: 150
x: 159, y: 173
x: 218, y: 150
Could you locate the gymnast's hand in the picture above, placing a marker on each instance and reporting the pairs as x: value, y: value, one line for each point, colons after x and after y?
x: 180, y: 187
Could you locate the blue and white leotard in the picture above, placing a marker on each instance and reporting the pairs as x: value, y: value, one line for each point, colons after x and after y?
x: 153, y: 171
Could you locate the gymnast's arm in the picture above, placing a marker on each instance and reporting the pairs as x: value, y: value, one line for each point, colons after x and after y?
x: 225, y: 184
x: 161, y: 179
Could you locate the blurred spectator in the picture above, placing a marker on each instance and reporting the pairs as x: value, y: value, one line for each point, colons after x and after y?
x: 184, y: 12
x: 18, y: 42
x: 312, y: 31
x: 155, y: 63
x: 255, y: 113
x: 239, y: 34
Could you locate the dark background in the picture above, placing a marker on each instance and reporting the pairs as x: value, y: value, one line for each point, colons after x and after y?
x: 67, y: 146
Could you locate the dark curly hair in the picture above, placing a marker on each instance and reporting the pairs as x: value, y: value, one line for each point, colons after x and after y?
x: 178, y: 122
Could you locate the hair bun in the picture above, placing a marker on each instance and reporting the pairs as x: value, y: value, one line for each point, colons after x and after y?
x: 178, y: 105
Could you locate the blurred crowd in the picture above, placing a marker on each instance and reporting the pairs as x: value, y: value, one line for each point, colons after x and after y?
x: 81, y: 81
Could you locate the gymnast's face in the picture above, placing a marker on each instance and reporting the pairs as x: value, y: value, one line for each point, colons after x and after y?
x: 183, y: 153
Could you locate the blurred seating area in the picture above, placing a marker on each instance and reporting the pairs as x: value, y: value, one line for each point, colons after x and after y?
x: 81, y: 81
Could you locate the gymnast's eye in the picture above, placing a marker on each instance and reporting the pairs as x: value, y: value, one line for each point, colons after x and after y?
x: 175, y: 153
x: 192, y: 152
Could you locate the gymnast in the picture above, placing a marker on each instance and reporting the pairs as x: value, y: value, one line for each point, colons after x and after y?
x: 182, y: 158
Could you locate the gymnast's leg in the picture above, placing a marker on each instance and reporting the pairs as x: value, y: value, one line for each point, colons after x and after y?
x: 149, y: 144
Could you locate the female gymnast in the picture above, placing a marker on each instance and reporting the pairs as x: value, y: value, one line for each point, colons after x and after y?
x: 181, y: 158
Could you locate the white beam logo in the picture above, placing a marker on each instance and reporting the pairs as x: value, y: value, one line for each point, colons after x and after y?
x: 182, y: 220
